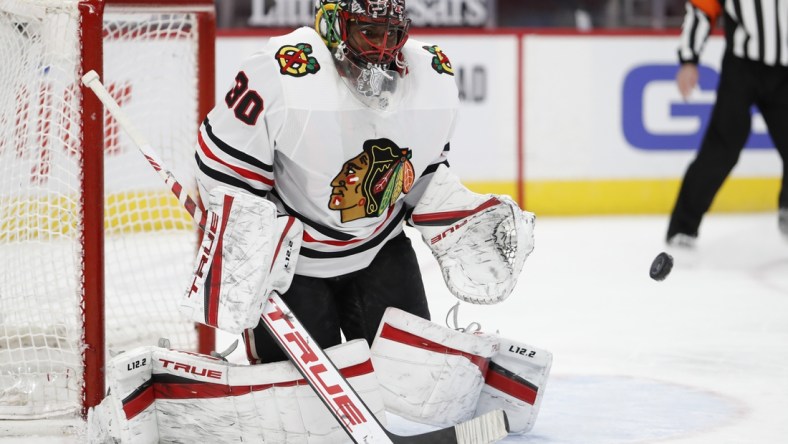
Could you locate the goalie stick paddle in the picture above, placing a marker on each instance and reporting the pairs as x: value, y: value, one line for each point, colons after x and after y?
x: 331, y: 387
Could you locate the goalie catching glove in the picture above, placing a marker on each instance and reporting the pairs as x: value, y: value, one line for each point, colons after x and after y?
x: 247, y: 251
x: 480, y: 240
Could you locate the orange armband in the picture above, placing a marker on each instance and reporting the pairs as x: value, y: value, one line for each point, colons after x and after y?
x: 712, y: 8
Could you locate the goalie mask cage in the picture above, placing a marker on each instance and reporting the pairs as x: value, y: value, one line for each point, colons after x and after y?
x: 94, y: 250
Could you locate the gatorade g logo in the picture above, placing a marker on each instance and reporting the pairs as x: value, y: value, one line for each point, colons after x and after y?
x: 667, y: 129
x: 371, y: 182
x: 440, y: 63
x: 295, y: 61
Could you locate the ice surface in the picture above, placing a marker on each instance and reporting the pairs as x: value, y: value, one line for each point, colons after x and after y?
x: 700, y: 358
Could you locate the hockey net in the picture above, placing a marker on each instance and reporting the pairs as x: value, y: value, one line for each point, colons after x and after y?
x: 158, y: 64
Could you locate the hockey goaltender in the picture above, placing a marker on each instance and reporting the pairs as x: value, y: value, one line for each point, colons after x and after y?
x: 329, y: 141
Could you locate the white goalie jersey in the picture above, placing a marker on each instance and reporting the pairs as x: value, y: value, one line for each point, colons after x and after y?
x: 289, y: 129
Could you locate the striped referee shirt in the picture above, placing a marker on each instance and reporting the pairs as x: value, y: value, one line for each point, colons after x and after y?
x: 754, y: 29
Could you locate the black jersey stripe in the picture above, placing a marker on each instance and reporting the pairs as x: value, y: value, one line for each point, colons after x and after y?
x: 778, y: 32
x: 226, y: 178
x: 395, y: 221
x: 233, y: 152
x: 693, y: 36
x: 761, y: 32
x: 746, y: 43
x: 432, y: 168
x: 322, y: 229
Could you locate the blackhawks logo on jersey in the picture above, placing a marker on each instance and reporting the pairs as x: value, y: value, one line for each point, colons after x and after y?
x: 440, y: 62
x: 295, y: 60
x: 372, y: 181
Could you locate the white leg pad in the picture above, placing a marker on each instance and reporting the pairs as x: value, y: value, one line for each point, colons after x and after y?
x: 429, y: 373
x: 127, y: 414
x: 184, y: 397
x: 515, y: 382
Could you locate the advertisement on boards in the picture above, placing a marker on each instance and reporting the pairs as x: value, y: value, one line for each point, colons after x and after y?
x: 454, y: 13
x: 606, y: 130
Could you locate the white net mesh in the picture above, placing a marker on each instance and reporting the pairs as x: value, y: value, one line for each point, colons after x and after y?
x: 150, y: 69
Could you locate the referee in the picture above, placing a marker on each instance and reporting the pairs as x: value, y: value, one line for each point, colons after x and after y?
x: 754, y: 72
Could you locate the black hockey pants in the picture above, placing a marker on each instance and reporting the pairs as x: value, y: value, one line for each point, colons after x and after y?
x: 353, y: 303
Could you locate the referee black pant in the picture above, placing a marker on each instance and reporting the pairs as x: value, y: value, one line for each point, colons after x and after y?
x: 743, y: 83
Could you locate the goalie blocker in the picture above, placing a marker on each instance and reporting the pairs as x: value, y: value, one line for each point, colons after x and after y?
x: 435, y: 375
x: 247, y: 251
x: 481, y: 241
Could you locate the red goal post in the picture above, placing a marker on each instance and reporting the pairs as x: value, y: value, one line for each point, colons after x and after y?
x: 94, y: 250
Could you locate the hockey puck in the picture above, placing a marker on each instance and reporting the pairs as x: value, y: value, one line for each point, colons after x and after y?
x: 661, y: 266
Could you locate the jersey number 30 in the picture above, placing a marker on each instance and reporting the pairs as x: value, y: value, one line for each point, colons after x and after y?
x: 246, y: 103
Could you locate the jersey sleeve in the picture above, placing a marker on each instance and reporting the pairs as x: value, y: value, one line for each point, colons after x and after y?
x: 448, y: 93
x: 412, y: 199
x: 698, y: 22
x: 236, y: 140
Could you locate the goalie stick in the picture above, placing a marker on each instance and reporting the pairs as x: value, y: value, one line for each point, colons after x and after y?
x: 331, y: 387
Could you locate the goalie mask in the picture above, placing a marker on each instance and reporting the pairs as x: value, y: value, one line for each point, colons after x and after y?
x: 366, y: 37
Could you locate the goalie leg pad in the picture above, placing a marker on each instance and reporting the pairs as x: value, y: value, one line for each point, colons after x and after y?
x: 127, y: 414
x: 515, y: 382
x: 246, y: 252
x: 429, y: 373
x: 481, y: 241
x: 185, y: 397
